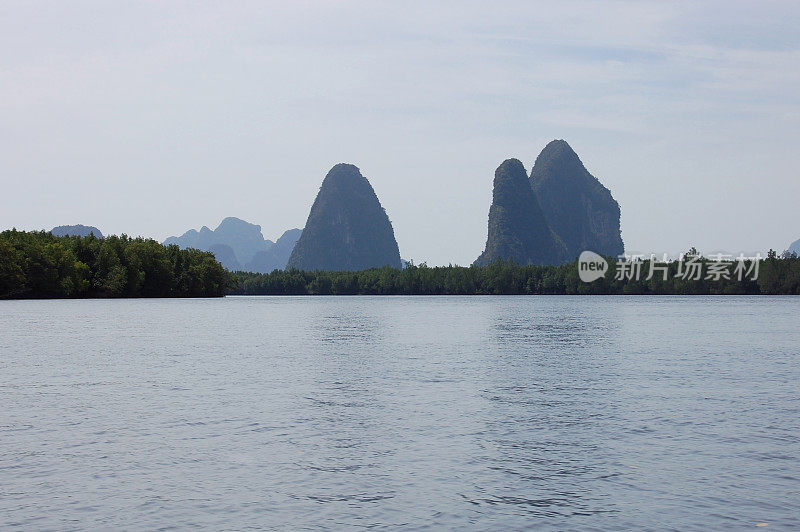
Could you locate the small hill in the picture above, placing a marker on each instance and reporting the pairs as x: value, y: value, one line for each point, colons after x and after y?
x: 76, y: 230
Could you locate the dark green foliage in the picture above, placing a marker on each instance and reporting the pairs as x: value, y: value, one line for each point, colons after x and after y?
x: 12, y: 276
x: 780, y: 275
x: 518, y: 229
x: 40, y: 265
x: 347, y: 229
x: 776, y: 276
x: 579, y: 209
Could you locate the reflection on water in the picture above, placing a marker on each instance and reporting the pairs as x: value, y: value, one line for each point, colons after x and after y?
x: 443, y: 412
x: 347, y: 329
x: 539, y: 450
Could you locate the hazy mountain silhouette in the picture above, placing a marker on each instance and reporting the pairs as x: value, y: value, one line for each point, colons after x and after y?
x: 518, y: 229
x: 347, y: 229
x: 76, y: 230
x: 577, y: 206
x: 225, y: 256
x: 242, y: 238
x: 276, y: 257
x: 795, y: 247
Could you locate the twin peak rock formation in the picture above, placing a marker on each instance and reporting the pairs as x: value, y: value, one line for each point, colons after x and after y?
x: 554, y: 215
x: 547, y: 218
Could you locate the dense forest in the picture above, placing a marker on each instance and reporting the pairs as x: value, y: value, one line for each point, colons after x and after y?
x: 40, y: 265
x: 777, y: 275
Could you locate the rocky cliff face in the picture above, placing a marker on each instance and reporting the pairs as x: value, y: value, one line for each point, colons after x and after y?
x: 518, y: 229
x: 347, y: 229
x: 76, y: 230
x: 579, y: 209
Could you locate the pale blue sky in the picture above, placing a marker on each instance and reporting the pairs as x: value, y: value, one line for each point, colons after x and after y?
x: 151, y: 118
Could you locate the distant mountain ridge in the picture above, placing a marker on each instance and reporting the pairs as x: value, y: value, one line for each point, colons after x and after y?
x: 76, y: 230
x: 245, y: 239
x: 795, y: 247
x: 276, y: 257
x: 347, y: 228
x: 240, y: 245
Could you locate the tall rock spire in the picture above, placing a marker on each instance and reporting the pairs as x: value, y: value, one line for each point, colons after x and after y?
x: 347, y: 229
x: 577, y: 206
x: 518, y: 229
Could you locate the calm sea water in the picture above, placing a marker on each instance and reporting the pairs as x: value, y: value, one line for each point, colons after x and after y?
x: 491, y: 413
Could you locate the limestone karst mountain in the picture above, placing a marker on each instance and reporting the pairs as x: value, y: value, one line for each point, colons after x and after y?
x: 347, y: 229
x: 76, y: 230
x: 518, y: 229
x: 225, y: 256
x: 579, y: 209
x: 276, y: 257
x: 240, y: 245
x: 244, y: 239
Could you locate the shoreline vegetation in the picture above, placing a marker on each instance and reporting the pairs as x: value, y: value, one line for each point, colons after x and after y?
x: 38, y: 265
x: 778, y: 276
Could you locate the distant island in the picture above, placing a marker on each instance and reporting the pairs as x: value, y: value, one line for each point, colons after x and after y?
x: 76, y: 230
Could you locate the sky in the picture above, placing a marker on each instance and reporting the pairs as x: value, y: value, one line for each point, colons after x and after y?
x: 151, y: 118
